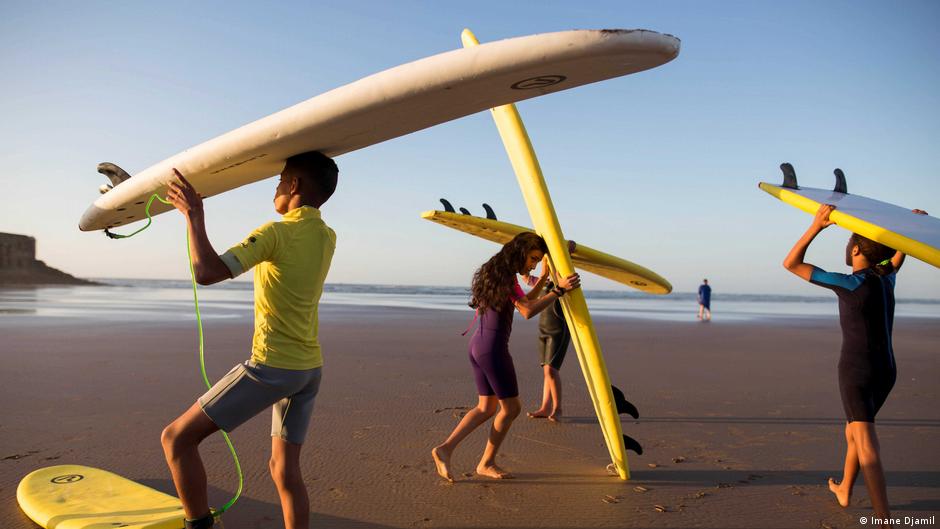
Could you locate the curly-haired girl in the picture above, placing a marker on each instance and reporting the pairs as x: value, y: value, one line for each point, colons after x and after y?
x: 495, y: 295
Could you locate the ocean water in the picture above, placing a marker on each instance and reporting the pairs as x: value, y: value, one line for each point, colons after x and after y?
x: 168, y: 300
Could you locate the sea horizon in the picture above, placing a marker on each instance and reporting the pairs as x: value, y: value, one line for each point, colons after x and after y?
x: 171, y: 299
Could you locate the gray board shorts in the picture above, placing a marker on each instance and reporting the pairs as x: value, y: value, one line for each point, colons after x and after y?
x: 251, y: 387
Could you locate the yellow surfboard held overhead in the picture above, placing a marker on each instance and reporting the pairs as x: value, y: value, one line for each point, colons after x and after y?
x: 893, y: 226
x: 583, y: 257
x: 545, y: 221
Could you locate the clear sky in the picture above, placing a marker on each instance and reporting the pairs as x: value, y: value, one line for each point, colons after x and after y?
x: 660, y: 168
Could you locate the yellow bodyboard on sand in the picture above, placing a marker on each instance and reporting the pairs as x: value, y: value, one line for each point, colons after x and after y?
x: 583, y: 257
x: 80, y: 497
x: 539, y: 203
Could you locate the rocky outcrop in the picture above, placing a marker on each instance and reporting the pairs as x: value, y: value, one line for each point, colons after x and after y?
x: 19, y: 267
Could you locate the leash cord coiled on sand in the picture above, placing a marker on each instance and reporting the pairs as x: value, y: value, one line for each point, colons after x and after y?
x: 202, y: 355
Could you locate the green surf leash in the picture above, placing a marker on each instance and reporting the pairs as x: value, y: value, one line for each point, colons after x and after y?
x: 202, y: 354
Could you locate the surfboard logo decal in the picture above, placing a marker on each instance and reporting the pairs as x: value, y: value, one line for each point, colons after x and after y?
x: 541, y: 81
x: 68, y: 478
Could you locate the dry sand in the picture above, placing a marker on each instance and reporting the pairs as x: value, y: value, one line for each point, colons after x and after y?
x: 741, y: 422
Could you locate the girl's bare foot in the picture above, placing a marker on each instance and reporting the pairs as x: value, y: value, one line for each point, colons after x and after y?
x: 842, y: 496
x: 493, y: 471
x: 442, y: 463
x: 555, y: 416
x: 540, y: 413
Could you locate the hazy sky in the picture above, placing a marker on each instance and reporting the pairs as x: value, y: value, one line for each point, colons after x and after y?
x: 660, y: 168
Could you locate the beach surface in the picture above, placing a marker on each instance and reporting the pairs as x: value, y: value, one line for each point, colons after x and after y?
x: 741, y: 422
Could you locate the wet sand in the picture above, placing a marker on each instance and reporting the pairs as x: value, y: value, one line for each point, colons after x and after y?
x: 741, y: 422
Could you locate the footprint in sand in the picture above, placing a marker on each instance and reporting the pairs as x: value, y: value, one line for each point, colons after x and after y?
x: 362, y: 432
x: 337, y: 493
x: 458, y: 411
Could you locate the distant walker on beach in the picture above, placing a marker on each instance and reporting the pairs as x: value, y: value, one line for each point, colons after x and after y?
x: 705, y: 301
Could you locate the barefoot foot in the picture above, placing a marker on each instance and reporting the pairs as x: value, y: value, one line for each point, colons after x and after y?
x: 842, y: 496
x: 540, y: 413
x: 555, y: 416
x: 442, y: 463
x: 493, y: 471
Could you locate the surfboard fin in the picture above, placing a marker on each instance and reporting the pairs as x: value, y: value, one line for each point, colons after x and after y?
x: 465, y: 211
x: 114, y: 173
x: 632, y: 444
x: 623, y: 405
x: 789, y: 176
x: 840, y: 182
x: 447, y: 206
x: 490, y: 214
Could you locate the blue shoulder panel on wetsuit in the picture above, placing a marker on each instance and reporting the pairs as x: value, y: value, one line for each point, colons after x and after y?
x: 833, y: 279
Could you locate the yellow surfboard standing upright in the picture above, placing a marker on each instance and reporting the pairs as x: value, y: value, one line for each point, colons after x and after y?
x: 539, y: 203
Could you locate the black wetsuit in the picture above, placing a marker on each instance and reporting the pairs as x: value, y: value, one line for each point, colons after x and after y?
x: 554, y: 336
x: 867, y: 370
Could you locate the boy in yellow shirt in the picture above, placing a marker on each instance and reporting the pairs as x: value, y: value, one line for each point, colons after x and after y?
x: 291, y: 259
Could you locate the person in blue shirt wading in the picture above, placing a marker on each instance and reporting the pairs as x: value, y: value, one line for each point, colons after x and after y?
x: 705, y: 301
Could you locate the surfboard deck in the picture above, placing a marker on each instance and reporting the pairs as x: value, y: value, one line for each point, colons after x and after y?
x: 387, y: 105
x: 80, y: 497
x: 916, y: 235
x: 542, y: 211
x: 584, y: 257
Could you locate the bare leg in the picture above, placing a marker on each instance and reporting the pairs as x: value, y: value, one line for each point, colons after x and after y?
x: 708, y: 315
x: 554, y: 381
x: 181, y: 447
x: 486, y: 408
x: 843, y: 489
x: 869, y: 459
x: 701, y: 308
x: 286, y: 473
x: 508, y: 411
x: 546, y: 408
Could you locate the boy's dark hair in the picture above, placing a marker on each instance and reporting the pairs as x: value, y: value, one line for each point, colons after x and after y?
x: 876, y: 253
x: 317, y: 169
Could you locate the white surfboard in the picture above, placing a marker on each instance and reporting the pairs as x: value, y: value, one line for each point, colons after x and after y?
x: 390, y: 104
x: 891, y: 225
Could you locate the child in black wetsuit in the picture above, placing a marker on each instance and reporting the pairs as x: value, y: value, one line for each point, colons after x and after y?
x: 553, y: 341
x: 867, y: 369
